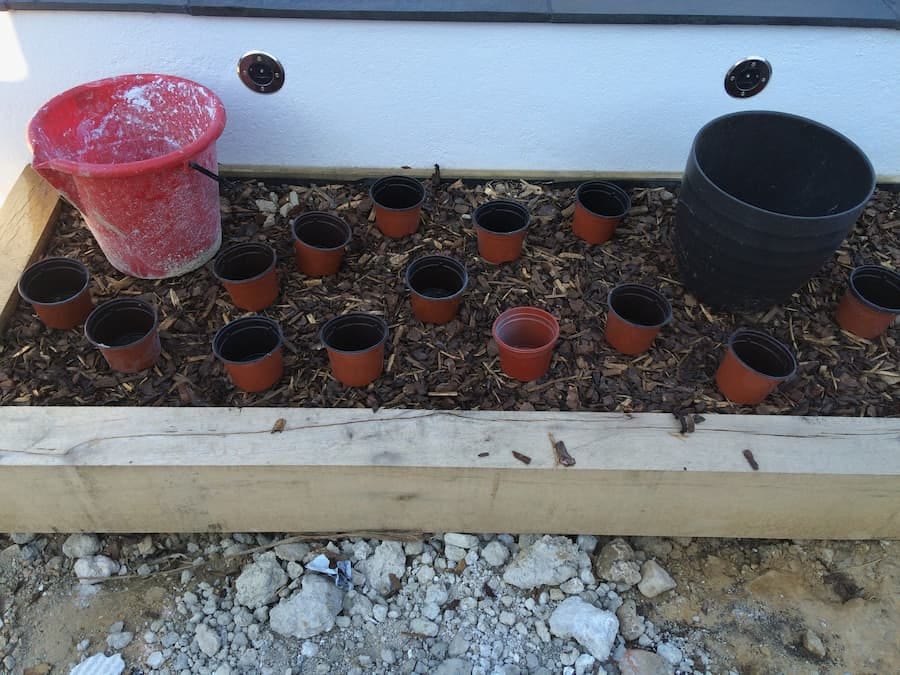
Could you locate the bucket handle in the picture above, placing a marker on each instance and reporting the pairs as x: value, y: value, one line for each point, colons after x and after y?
x: 224, y: 182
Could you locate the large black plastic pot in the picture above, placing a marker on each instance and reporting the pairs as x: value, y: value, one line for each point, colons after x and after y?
x: 767, y: 198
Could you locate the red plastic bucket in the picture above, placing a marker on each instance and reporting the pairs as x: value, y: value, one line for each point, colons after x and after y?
x: 119, y: 149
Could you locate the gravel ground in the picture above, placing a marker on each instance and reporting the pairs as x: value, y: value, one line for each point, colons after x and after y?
x: 446, y: 603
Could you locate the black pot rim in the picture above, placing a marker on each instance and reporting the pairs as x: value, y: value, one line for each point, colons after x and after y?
x: 645, y: 289
x: 113, y: 304
x: 613, y: 189
x: 861, y: 298
x: 237, y: 247
x: 321, y: 215
x: 35, y: 268
x: 437, y: 257
x: 354, y: 315
x: 769, y: 341
x: 502, y: 202
x: 407, y: 180
x: 222, y: 334
x: 798, y: 118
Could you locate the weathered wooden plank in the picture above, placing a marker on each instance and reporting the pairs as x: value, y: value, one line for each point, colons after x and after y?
x: 135, y: 470
x: 25, y: 220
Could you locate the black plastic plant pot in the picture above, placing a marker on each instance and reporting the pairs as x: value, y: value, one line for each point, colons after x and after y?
x: 250, y: 349
x: 436, y: 283
x: 125, y: 332
x: 766, y: 200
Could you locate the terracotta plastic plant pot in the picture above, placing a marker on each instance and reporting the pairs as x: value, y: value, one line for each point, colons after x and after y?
x: 636, y: 314
x: 599, y: 208
x: 320, y: 239
x: 398, y: 204
x: 125, y: 331
x: 526, y: 337
x: 58, y: 290
x: 355, y: 344
x: 501, y: 226
x: 248, y: 273
x: 250, y: 350
x: 753, y: 366
x: 872, y: 301
x: 436, y: 284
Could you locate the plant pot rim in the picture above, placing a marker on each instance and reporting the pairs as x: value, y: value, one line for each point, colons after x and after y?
x: 324, y: 215
x: 106, y: 306
x: 255, y: 318
x: 502, y: 202
x: 76, y: 263
x: 796, y: 118
x: 381, y: 322
x: 247, y: 244
x: 642, y: 287
x: 611, y: 187
x: 458, y: 264
x: 525, y: 351
x: 408, y: 180
x: 771, y: 341
x: 865, y: 301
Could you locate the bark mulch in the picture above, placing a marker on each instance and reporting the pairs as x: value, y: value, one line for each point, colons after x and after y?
x: 456, y: 366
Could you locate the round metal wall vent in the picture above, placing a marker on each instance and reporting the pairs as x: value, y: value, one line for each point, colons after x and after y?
x: 748, y: 77
x: 261, y: 72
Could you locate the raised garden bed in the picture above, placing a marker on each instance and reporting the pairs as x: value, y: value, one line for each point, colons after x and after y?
x: 427, y: 470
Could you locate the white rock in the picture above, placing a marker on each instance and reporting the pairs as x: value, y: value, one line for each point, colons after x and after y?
x: 466, y: 541
x: 573, y: 586
x: 22, y: 538
x: 310, y: 611
x: 641, y: 662
x: 223, y: 669
x: 145, y: 546
x: 100, y: 664
x: 423, y: 627
x: 294, y: 552
x: 207, y: 640
x: 454, y: 553
x: 266, y: 206
x: 669, y: 652
x: 593, y: 628
x: 80, y: 545
x: 309, y: 649
x: 84, y: 644
x: 379, y: 612
x: 361, y: 550
x: 584, y: 664
x: 454, y: 667
x: 631, y: 625
x: 507, y: 618
x: 89, y: 569
x: 259, y: 582
x: 495, y: 553
x: 388, y: 559
x: 119, y: 640
x: 586, y: 542
x: 655, y: 580
x: 155, y: 659
x: 547, y: 562
x: 813, y: 644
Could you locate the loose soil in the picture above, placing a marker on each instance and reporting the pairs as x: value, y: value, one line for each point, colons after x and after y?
x: 455, y: 366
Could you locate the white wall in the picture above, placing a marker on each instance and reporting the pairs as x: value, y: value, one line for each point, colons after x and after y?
x: 489, y: 97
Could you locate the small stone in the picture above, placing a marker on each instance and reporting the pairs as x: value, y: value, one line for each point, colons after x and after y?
x: 145, y: 546
x: 495, y: 554
x: 84, y: 644
x: 259, y: 582
x: 387, y: 656
x: 119, y: 640
x: 593, y: 628
x: 149, y: 637
x: 80, y: 545
x: 186, y: 576
x: 616, y: 563
x: 266, y: 206
x: 293, y: 552
x: 309, y: 649
x: 379, y: 612
x: 631, y: 625
x: 155, y: 659
x: 666, y: 196
x: 388, y: 559
x: 813, y: 644
x: 361, y: 550
x: 223, y: 669
x: 454, y: 553
x: 507, y: 618
x: 310, y: 611
x: 466, y: 541
x: 453, y: 667
x: 542, y: 631
x: 144, y: 570
x: 423, y: 627
x: 100, y: 663
x: 89, y: 570
x: 22, y: 538
x: 568, y: 657
x: 458, y: 646
x: 586, y: 542
x: 414, y: 547
x: 117, y: 627
x: 584, y: 664
x: 342, y: 622
x: 547, y: 562
x: 669, y: 652
x: 655, y: 580
x: 573, y: 586
x: 207, y: 640
x: 641, y: 662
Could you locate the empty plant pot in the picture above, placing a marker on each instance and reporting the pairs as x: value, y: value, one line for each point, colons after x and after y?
x: 501, y: 226
x: 525, y: 337
x: 398, y: 204
x: 58, y: 290
x: 753, y: 366
x: 355, y: 344
x: 320, y: 239
x: 599, y: 208
x: 872, y: 301
x: 436, y: 284
x: 636, y: 315
x: 125, y: 332
x: 250, y: 350
x: 248, y: 273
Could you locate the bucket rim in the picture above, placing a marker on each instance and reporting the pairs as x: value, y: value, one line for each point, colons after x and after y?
x: 797, y: 118
x: 128, y: 169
